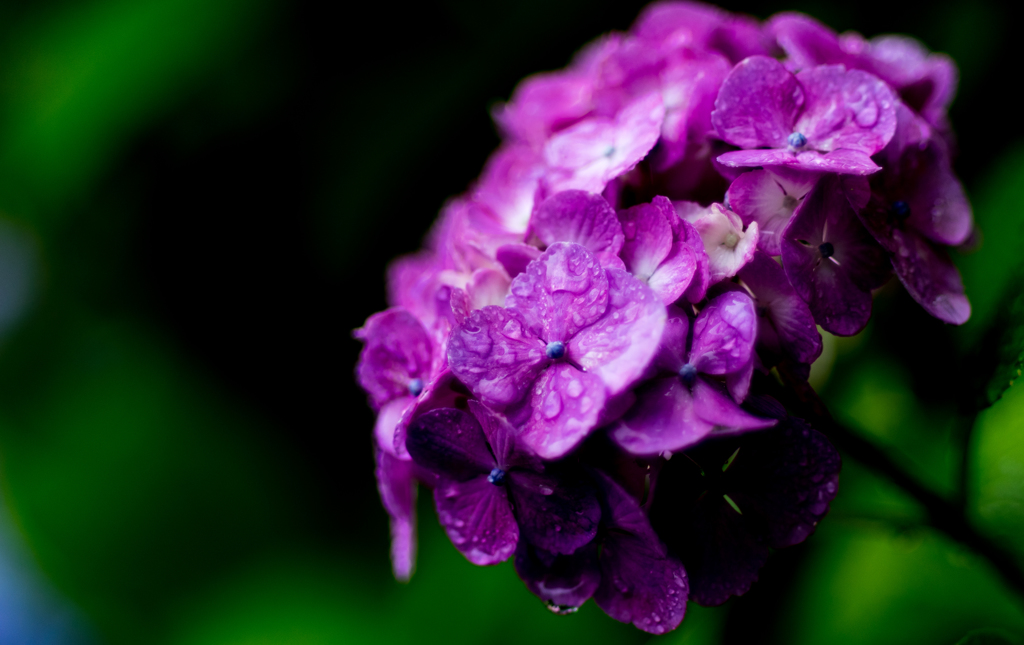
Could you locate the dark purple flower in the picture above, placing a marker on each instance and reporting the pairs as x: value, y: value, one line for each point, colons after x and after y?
x: 723, y: 507
x: 925, y: 81
x: 830, y: 259
x: 491, y: 490
x: 664, y: 251
x: 627, y: 569
x: 785, y: 325
x: 685, y: 402
x: 571, y: 335
x: 824, y: 118
x: 918, y: 204
x: 768, y: 198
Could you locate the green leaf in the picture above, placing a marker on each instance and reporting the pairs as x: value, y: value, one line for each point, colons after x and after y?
x: 866, y: 583
x: 996, y: 484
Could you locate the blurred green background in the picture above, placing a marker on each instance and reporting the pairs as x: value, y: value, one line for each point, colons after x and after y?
x: 197, y: 203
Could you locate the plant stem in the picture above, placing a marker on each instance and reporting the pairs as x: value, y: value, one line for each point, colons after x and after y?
x: 947, y: 516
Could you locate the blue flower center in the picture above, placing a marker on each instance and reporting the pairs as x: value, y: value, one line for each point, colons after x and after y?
x: 415, y: 387
x: 827, y: 250
x: 688, y: 373
x: 796, y: 140
x: 555, y: 350
x: 497, y: 477
x: 900, y: 210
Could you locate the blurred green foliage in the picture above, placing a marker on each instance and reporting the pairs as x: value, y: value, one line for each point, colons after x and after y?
x: 158, y: 503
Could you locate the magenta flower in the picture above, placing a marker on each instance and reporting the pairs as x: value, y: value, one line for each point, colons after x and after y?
x: 824, y: 118
x: 925, y: 81
x: 571, y: 335
x: 686, y: 401
x: 664, y: 251
x: 490, y: 490
x: 591, y: 153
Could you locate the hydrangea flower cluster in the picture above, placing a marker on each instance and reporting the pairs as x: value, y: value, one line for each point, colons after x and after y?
x: 568, y: 362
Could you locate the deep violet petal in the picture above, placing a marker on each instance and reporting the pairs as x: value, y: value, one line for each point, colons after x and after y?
x: 562, y: 581
x: 478, y: 519
x: 640, y: 582
x: 451, y: 443
x: 558, y: 514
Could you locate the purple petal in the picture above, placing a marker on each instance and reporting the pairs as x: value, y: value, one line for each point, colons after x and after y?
x: 791, y: 485
x: 516, y: 257
x: 845, y: 109
x: 618, y: 347
x: 495, y: 355
x: 930, y: 277
x: 640, y: 582
x: 757, y: 104
x: 785, y: 323
x: 662, y: 420
x: 716, y: 408
x: 503, y: 439
x: 450, y: 443
x: 837, y: 288
x: 594, y: 151
x: 769, y: 198
x: 724, y: 333
x: 397, y: 488
x: 673, y: 349
x: 478, y: 519
x: 564, y: 406
x: 675, y: 275
x: 562, y: 581
x: 841, y: 161
x: 561, y: 292
x: 806, y: 41
x: 396, y: 350
x: 543, y: 103
x: 738, y: 382
x: 926, y: 82
x: 723, y: 556
x: 648, y: 239
x: 555, y: 514
x: 918, y: 173
x: 388, y: 419
x: 579, y: 217
x: 487, y: 287
x: 656, y: 250
x: 508, y: 183
x: 702, y: 274
x: 445, y: 391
